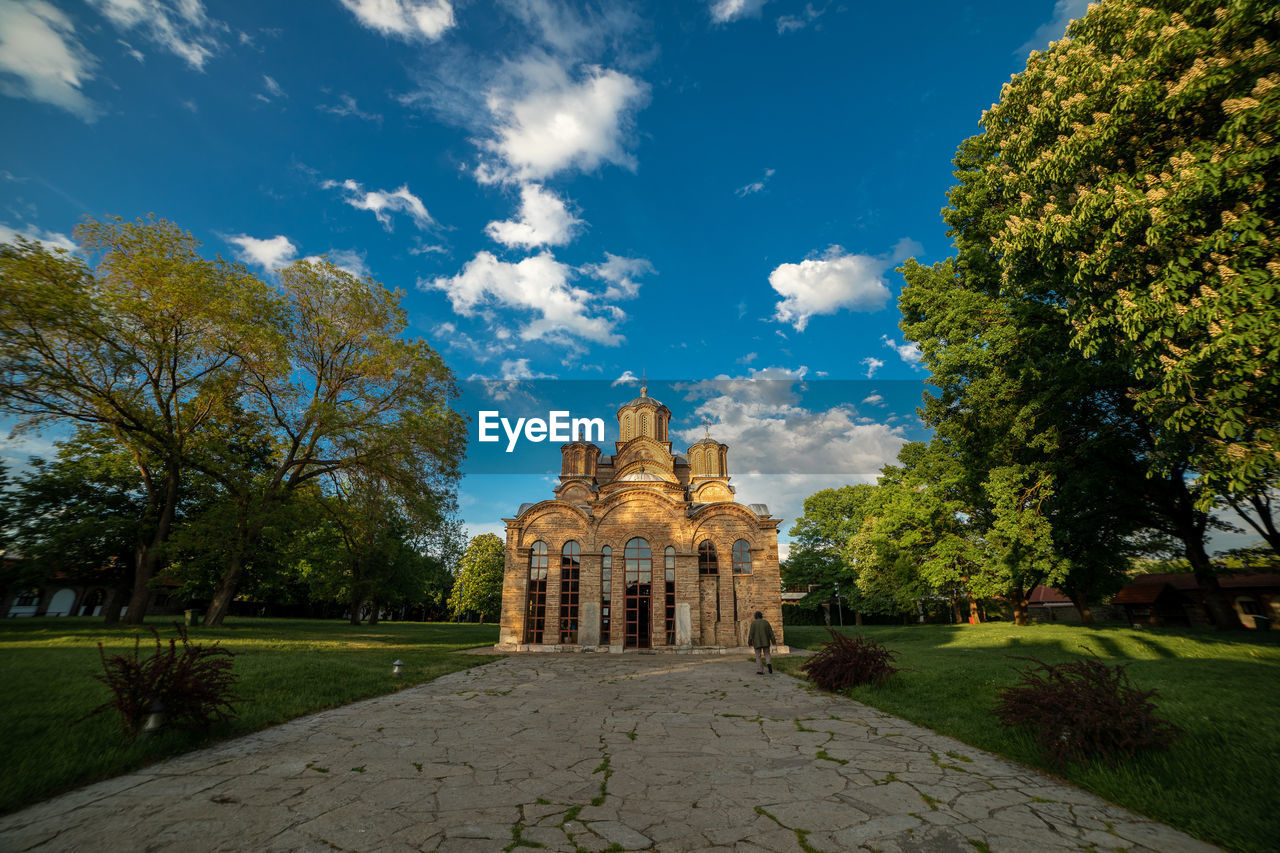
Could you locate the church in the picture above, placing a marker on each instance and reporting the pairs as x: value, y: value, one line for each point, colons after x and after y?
x: 644, y: 549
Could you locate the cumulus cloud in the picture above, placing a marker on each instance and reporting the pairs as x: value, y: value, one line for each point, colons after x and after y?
x: 723, y: 11
x: 546, y: 120
x: 872, y: 364
x: 621, y: 274
x: 180, y: 27
x: 544, y: 220
x: 50, y: 239
x: 382, y: 203
x: 792, y: 23
x: 769, y: 430
x: 833, y: 281
x: 627, y: 378
x: 270, y: 254
x: 539, y: 285
x: 406, y: 19
x: 41, y: 59
x: 907, y: 351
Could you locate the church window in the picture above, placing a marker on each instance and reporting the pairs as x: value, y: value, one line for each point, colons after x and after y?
x: 570, y: 566
x: 669, y: 567
x: 536, y: 613
x: 606, y: 590
x: 638, y: 559
x: 626, y: 427
x: 646, y: 425
x: 707, y: 563
x: 741, y: 557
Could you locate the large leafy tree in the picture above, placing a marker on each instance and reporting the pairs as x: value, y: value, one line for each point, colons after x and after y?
x: 478, y: 587
x: 145, y: 345
x: 1133, y: 165
x: 343, y: 393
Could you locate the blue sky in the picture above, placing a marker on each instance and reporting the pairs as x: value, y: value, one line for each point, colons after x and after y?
x: 569, y: 195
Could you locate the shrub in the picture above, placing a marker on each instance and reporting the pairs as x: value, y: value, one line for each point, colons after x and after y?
x: 1083, y: 709
x: 194, y: 684
x: 845, y: 662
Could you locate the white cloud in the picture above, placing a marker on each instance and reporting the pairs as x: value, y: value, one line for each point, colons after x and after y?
x: 827, y: 284
x: 1064, y: 11
x: 907, y: 351
x: 348, y: 108
x: 179, y: 26
x: 518, y: 368
x: 383, y: 203
x: 873, y: 399
x: 792, y: 23
x: 873, y: 364
x: 272, y: 87
x: 50, y: 239
x: 538, y: 284
x: 748, y: 358
x: 545, y: 122
x: 755, y: 186
x: 41, y: 59
x: 621, y: 274
x: 833, y: 281
x: 627, y: 378
x: 407, y: 19
x: 723, y: 11
x: 543, y: 221
x: 350, y: 260
x: 271, y: 254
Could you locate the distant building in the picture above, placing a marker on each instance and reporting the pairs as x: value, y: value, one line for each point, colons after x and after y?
x: 1176, y: 600
x: 642, y: 549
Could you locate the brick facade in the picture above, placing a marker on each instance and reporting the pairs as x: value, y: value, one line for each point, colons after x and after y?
x: 668, y: 504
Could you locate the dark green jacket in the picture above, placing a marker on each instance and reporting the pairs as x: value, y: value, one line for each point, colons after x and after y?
x: 761, y: 636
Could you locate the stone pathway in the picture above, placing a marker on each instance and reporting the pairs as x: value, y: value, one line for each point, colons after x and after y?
x: 590, y: 752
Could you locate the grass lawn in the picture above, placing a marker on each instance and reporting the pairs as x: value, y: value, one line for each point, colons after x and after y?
x: 1220, y: 782
x: 287, y: 668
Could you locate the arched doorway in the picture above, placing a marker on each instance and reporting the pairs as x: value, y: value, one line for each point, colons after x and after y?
x: 639, y: 596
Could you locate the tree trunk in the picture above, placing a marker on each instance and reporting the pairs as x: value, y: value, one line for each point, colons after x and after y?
x: 220, y: 604
x: 1190, y: 525
x: 955, y: 609
x: 857, y: 617
x: 374, y: 607
x: 148, y: 554
x: 113, y: 605
x: 1020, y: 607
x: 974, y: 614
x: 1082, y: 607
x: 356, y: 602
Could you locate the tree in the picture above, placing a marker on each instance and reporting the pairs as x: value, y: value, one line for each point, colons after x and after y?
x: 1119, y: 189
x: 344, y: 393
x: 146, y: 346
x: 478, y: 586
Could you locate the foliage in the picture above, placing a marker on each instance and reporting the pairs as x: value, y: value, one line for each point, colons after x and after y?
x: 1083, y: 709
x: 193, y: 686
x: 145, y: 347
x: 478, y: 588
x: 846, y: 662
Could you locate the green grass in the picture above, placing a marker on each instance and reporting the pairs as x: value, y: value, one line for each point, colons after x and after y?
x: 287, y: 668
x: 1219, y: 782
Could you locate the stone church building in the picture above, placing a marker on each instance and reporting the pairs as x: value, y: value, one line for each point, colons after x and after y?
x: 644, y: 549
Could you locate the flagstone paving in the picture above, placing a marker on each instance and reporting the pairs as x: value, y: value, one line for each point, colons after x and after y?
x: 590, y: 752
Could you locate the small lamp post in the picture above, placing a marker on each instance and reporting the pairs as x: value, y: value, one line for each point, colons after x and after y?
x: 395, y: 667
x: 155, y: 718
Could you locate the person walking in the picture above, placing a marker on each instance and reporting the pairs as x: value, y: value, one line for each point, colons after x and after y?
x: 761, y: 639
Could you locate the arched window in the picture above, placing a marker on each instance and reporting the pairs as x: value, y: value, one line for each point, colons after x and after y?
x: 606, y: 592
x: 638, y: 559
x: 570, y: 565
x: 626, y: 427
x: 741, y: 557
x: 669, y: 568
x: 536, y: 611
x: 646, y: 425
x: 707, y: 562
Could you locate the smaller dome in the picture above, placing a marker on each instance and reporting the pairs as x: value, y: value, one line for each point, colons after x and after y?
x: 706, y: 440
x: 641, y: 476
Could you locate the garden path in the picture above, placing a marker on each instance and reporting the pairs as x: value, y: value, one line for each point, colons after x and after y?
x: 590, y: 752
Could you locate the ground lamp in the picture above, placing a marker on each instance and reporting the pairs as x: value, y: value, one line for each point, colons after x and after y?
x: 395, y: 667
x: 155, y: 718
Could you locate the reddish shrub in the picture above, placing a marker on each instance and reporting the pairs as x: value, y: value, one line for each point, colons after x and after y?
x: 845, y: 662
x: 193, y: 684
x: 1083, y: 709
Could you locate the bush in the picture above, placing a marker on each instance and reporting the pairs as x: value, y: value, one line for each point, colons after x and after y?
x: 1083, y: 709
x: 193, y: 685
x: 845, y: 662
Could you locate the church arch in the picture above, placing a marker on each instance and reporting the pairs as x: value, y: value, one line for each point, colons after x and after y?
x: 638, y: 605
